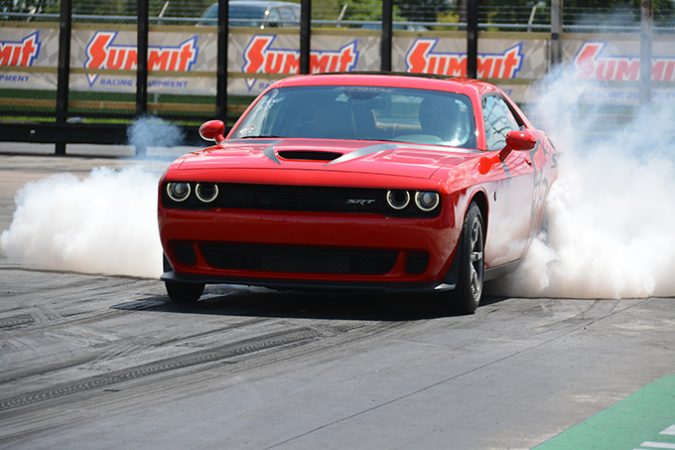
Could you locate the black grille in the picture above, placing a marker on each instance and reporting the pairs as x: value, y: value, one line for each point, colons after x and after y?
x: 301, y: 259
x: 416, y: 262
x: 300, y: 198
x: 184, y: 253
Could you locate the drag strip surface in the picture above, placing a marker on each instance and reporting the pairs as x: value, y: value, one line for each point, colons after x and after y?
x: 83, y: 355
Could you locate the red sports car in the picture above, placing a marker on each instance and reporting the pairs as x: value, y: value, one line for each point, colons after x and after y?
x: 387, y: 182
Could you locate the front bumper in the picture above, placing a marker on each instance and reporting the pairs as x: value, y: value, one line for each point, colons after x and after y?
x: 198, y: 230
x: 312, y: 285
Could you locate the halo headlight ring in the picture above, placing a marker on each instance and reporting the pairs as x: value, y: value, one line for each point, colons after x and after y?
x: 398, y: 200
x: 427, y: 201
x: 211, y: 192
x: 178, y: 192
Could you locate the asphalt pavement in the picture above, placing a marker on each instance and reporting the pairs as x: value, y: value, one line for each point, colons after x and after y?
x: 94, y: 361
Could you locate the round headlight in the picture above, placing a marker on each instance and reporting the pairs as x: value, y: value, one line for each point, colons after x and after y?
x: 178, y: 192
x: 206, y: 192
x: 427, y: 201
x: 398, y: 200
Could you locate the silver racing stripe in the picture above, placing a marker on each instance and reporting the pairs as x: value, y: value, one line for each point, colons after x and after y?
x: 363, y: 152
x: 271, y: 154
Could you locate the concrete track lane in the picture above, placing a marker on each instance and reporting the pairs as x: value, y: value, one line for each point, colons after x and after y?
x: 90, y: 361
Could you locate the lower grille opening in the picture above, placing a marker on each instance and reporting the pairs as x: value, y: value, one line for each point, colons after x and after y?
x: 299, y: 259
x: 416, y: 262
x: 184, y: 253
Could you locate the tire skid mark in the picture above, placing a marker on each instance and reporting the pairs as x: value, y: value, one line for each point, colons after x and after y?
x: 337, y: 340
x: 234, y: 326
x: 23, y: 373
x: 12, y: 321
x: 239, y: 348
x: 119, y: 349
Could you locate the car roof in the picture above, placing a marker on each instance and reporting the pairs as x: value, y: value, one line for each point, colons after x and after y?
x: 467, y: 86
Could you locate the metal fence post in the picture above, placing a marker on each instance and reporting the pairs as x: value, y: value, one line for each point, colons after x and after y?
x: 386, y: 37
x: 63, y: 82
x: 556, y: 31
x: 472, y: 39
x: 142, y: 63
x: 305, y: 35
x: 647, y: 17
x: 221, y: 61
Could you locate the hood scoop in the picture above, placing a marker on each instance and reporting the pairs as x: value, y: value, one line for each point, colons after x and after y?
x: 308, y: 155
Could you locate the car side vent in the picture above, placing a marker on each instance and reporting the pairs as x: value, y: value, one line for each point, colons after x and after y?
x: 308, y: 155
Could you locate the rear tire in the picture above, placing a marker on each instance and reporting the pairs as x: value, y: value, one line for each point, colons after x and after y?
x: 466, y: 296
x: 184, y: 294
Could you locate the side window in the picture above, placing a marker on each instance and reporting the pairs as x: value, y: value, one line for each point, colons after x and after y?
x: 296, y: 12
x: 274, y: 15
x: 499, y: 120
x: 286, y: 14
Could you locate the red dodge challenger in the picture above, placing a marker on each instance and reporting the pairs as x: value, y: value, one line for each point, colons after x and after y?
x: 386, y: 182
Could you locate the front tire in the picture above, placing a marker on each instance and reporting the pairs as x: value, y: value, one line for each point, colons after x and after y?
x: 184, y: 294
x: 469, y: 290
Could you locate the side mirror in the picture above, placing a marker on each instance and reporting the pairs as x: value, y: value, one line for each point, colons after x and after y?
x: 519, y: 140
x: 213, y: 130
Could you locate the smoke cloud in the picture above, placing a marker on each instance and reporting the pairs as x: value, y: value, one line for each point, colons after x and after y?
x: 610, y: 218
x: 103, y: 223
x: 154, y: 132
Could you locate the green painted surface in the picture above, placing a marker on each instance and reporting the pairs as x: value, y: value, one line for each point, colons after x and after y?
x: 637, y: 419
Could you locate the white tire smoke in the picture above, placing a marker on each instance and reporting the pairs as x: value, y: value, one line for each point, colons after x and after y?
x: 105, y: 223
x: 610, y: 229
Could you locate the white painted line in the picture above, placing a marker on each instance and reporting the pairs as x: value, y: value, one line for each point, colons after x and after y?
x: 670, y: 430
x: 657, y: 445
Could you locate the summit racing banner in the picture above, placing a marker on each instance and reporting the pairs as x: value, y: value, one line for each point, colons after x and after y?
x: 422, y: 58
x: 593, y: 63
x: 612, y: 64
x: 182, y: 59
x: 275, y: 56
x: 33, y: 49
x: 103, y: 53
x: 20, y: 53
x: 260, y: 57
x: 278, y: 54
x: 179, y: 63
x: 511, y: 62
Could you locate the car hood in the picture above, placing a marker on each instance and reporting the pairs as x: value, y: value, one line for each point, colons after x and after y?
x: 376, y: 157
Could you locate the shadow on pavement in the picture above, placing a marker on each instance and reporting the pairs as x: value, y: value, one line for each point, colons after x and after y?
x: 260, y: 302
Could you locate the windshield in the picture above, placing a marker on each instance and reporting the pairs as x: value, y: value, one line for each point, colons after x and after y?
x: 362, y: 112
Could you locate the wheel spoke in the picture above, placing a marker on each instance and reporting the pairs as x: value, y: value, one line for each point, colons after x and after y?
x: 474, y: 279
x: 474, y: 235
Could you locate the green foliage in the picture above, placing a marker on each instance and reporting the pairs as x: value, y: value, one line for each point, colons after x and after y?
x: 326, y: 9
x: 423, y: 10
x: 607, y: 12
x: 363, y: 10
